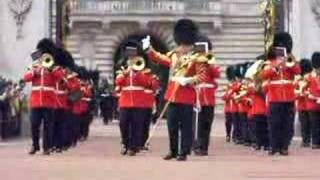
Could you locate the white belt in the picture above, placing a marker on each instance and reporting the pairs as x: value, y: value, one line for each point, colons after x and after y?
x: 133, y: 88
x: 86, y: 99
x: 42, y: 88
x: 281, y: 82
x: 61, y: 92
x: 148, y: 91
x: 205, y: 85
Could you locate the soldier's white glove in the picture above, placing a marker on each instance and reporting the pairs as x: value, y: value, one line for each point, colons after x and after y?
x: 318, y: 101
x: 146, y: 43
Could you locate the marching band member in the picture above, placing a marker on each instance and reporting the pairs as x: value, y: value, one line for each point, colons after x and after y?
x: 258, y: 110
x: 78, y: 104
x: 180, y: 94
x: 229, y: 107
x: 301, y: 102
x: 131, y: 84
x: 279, y: 72
x: 43, y: 97
x: 72, y: 83
x: 60, y: 114
x: 86, y: 117
x: 313, y: 102
x: 232, y: 89
x: 241, y: 100
x: 150, y: 100
x: 205, y: 92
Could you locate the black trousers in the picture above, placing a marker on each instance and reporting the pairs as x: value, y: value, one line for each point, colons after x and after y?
x: 205, y: 120
x: 85, y: 121
x: 131, y: 122
x: 252, y: 131
x: 236, y: 121
x: 43, y: 116
x: 146, y: 125
x: 245, y: 137
x: 58, y: 128
x: 315, y: 127
x: 180, y: 121
x: 305, y: 122
x: 228, y: 123
x: 75, y: 128
x: 281, y: 125
x: 261, y: 131
x: 68, y: 129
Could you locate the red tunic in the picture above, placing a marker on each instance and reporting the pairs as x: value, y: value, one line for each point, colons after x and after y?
x: 43, y: 86
x: 230, y: 104
x: 280, y: 87
x: 208, y: 85
x: 150, y: 91
x: 176, y: 93
x: 257, y: 102
x: 314, y: 91
x: 132, y: 87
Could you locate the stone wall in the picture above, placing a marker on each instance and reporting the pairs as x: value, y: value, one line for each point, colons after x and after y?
x: 305, y: 27
x: 15, y: 52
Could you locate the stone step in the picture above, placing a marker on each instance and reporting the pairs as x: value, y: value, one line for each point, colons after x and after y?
x: 242, y: 20
x: 222, y: 50
x: 237, y: 37
x: 248, y: 31
x: 239, y: 56
x: 248, y: 43
x: 241, y: 25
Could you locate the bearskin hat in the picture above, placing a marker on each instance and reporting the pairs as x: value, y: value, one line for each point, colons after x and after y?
x: 47, y: 46
x: 315, y: 60
x: 306, y: 66
x: 230, y: 73
x: 204, y: 38
x: 64, y: 58
x: 283, y: 39
x: 185, y: 32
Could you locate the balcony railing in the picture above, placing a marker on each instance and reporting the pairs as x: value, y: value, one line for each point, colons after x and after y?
x: 146, y: 6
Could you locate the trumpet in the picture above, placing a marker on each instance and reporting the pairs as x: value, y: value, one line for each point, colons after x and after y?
x: 46, y: 60
x: 290, y: 61
x: 137, y: 63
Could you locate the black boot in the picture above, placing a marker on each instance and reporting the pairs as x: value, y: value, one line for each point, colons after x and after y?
x: 182, y: 157
x: 169, y: 156
x: 34, y: 150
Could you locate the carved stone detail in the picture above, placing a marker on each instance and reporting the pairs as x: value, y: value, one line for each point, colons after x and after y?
x: 20, y: 9
x: 315, y: 6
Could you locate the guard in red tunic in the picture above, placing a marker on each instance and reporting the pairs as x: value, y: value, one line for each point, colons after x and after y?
x: 313, y: 100
x: 258, y: 116
x: 131, y: 85
x: 301, y: 102
x: 232, y: 89
x: 280, y: 72
x: 149, y: 97
x: 241, y: 100
x: 180, y: 94
x: 86, y: 117
x: 205, y: 101
x: 228, y: 105
x: 65, y: 60
x: 73, y: 95
x: 43, y: 76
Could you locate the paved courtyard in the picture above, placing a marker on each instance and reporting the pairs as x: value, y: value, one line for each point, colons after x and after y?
x: 99, y: 159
